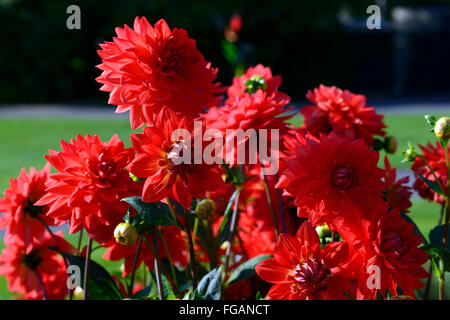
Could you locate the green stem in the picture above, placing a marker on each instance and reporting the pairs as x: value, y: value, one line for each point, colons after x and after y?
x: 447, y: 218
x: 164, y: 270
x: 434, y: 175
x: 41, y: 283
x: 269, y: 200
x: 87, y: 266
x: 232, y: 229
x: 169, y: 256
x: 133, y: 268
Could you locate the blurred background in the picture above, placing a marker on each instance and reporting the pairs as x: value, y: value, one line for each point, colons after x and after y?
x: 307, y: 42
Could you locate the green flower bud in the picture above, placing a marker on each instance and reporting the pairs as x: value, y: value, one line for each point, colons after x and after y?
x: 125, y: 234
x: 410, y: 154
x: 78, y: 293
x: 390, y: 144
x: 442, y: 128
x: 255, y: 83
x: 206, y: 209
x: 135, y: 179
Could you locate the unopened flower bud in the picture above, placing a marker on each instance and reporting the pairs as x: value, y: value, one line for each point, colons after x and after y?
x: 78, y: 293
x: 410, y: 154
x: 255, y: 83
x: 390, y: 144
x: 125, y: 234
x: 206, y: 209
x: 136, y: 179
x: 442, y: 128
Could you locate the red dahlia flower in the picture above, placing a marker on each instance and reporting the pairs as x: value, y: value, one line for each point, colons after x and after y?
x: 21, y: 266
x: 147, y: 67
x: 21, y: 217
x: 342, y: 112
x: 397, y: 193
x: 302, y: 270
x: 160, y: 160
x: 89, y: 185
x: 386, y: 241
x: 435, y: 156
x: 328, y: 172
x: 239, y: 87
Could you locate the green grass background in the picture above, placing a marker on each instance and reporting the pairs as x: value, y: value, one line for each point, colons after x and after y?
x: 24, y: 142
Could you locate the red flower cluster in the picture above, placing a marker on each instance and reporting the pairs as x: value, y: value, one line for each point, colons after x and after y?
x: 342, y: 112
x: 147, y: 68
x: 92, y: 179
x: 328, y: 180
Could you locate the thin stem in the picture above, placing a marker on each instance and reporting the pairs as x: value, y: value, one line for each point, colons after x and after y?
x: 269, y: 200
x: 66, y: 264
x: 434, y: 174
x: 232, y: 229
x: 157, y: 271
x: 430, y: 268
x: 169, y: 256
x: 80, y: 239
x: 87, y: 266
x: 169, y: 203
x: 133, y: 268
x: 191, y: 251
x: 194, y: 232
x: 164, y: 270
x: 44, y: 292
x: 280, y: 206
x: 447, y: 218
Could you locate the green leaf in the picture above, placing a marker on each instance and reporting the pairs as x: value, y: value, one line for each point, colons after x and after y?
x: 101, y: 284
x: 416, y: 228
x: 246, y: 269
x: 437, y: 236
x: 209, y: 288
x: 154, y: 213
x: 433, y: 185
x: 143, y: 293
x: 442, y: 254
x: 220, y: 238
x: 167, y: 288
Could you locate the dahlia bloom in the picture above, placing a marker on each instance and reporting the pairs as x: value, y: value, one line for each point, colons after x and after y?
x: 160, y: 159
x: 328, y: 172
x: 146, y: 68
x: 302, y: 270
x: 89, y: 185
x: 396, y: 191
x: 435, y: 156
x: 21, y: 216
x: 342, y: 112
x: 238, y: 88
x: 175, y: 243
x: 387, y: 241
x: 21, y: 265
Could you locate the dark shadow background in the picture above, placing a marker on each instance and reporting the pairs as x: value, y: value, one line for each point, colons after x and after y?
x: 307, y: 42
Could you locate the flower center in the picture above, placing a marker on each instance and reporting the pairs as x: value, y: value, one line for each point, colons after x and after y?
x: 310, y: 275
x: 343, y: 177
x: 32, y: 210
x: 32, y: 260
x: 177, y: 152
x: 102, y: 169
x: 393, y: 242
